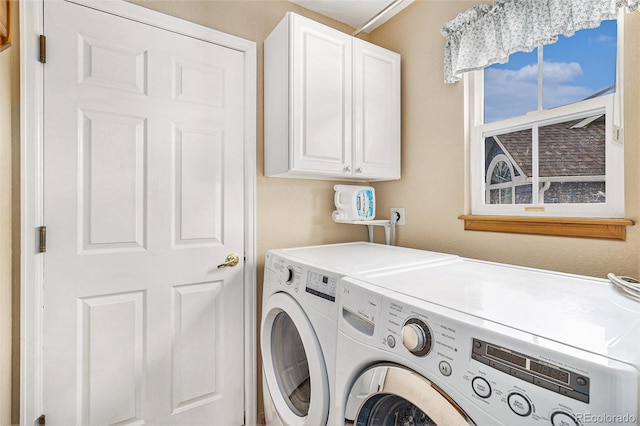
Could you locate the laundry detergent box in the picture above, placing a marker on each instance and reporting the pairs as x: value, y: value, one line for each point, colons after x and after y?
x: 354, y: 203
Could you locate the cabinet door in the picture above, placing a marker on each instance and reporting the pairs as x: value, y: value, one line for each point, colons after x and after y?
x: 376, y: 111
x: 321, y: 99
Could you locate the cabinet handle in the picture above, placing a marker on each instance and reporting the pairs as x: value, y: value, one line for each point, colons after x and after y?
x: 347, y: 169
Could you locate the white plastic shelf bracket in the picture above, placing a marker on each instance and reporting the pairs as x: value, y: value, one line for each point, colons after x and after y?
x: 370, y: 224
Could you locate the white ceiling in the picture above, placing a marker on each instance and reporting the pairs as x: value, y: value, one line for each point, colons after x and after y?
x: 355, y: 13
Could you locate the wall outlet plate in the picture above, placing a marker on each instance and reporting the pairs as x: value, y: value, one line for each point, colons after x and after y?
x: 398, y: 214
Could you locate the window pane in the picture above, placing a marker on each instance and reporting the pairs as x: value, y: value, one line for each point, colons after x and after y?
x: 576, y: 192
x: 511, y: 89
x: 524, y: 194
x: 574, y: 68
x: 572, y: 161
x: 501, y: 173
x: 578, y: 67
x: 508, y: 160
x: 500, y: 196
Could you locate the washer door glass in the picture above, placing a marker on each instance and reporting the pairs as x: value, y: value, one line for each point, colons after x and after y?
x: 290, y: 364
x: 294, y: 368
x: 389, y: 409
x: 390, y: 395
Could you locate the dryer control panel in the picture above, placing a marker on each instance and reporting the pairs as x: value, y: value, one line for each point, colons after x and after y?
x: 312, y: 286
x: 322, y: 285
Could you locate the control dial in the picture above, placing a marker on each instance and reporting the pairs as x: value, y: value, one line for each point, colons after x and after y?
x: 416, y: 337
x: 289, y: 275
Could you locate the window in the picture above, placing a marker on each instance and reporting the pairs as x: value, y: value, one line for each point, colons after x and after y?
x: 545, y: 135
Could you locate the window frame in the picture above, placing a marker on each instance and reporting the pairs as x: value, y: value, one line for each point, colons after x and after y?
x: 611, y: 105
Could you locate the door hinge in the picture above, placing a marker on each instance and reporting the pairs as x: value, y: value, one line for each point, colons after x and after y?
x: 41, y: 420
x: 43, y: 49
x: 43, y: 239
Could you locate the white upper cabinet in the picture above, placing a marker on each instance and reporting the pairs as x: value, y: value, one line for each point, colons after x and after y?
x: 376, y: 108
x: 332, y: 104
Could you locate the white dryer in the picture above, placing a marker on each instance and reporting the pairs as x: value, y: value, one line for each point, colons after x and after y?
x: 470, y: 342
x: 299, y: 322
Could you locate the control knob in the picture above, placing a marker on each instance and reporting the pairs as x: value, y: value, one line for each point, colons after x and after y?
x: 289, y: 275
x: 416, y: 337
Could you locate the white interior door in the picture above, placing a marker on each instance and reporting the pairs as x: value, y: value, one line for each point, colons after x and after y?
x: 143, y: 160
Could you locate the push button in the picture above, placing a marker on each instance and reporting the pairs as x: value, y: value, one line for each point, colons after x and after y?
x: 481, y: 387
x: 519, y: 404
x: 391, y: 341
x: 445, y: 368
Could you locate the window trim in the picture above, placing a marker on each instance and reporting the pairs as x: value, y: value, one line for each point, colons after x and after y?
x: 612, y: 105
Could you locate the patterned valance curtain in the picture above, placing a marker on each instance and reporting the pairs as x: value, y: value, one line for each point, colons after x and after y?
x: 488, y: 34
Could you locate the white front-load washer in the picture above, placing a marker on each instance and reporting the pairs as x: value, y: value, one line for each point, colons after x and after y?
x: 299, y: 322
x: 470, y: 342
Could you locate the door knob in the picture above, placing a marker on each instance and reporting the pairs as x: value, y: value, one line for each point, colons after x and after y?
x: 232, y: 260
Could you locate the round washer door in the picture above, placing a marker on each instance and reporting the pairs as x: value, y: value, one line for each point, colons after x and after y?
x: 389, y: 395
x: 294, y: 368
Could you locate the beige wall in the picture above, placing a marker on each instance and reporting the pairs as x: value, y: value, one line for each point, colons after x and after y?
x: 432, y: 188
x: 298, y: 212
x: 9, y: 120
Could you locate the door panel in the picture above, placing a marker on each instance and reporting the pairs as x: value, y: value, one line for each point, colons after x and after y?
x: 197, y: 313
x: 110, y: 358
x: 112, y: 170
x: 198, y: 166
x: 143, y: 199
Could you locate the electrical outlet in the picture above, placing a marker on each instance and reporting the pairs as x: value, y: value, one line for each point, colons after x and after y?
x: 398, y: 214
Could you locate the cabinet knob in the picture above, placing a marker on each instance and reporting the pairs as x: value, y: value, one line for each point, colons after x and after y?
x: 360, y: 170
x: 347, y: 169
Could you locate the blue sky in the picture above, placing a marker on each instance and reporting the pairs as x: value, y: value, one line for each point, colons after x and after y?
x: 574, y: 68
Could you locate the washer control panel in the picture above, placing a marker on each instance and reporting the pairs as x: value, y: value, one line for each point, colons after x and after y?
x: 489, y: 368
x: 532, y: 370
